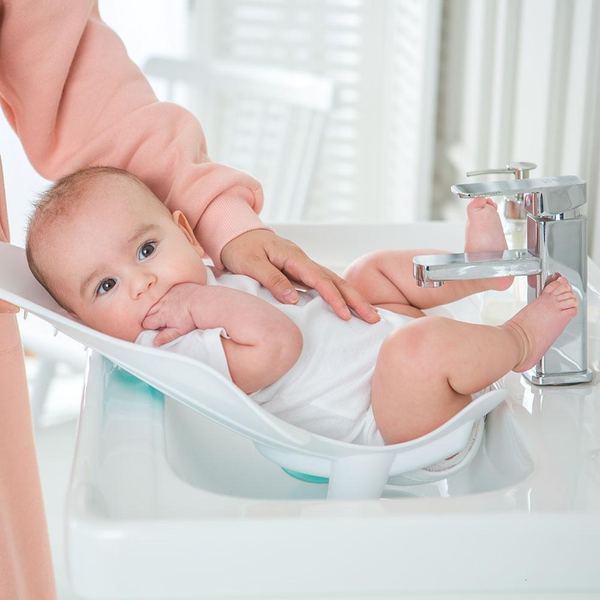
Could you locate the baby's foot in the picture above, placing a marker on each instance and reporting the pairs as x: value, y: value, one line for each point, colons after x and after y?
x: 484, y: 234
x: 542, y: 321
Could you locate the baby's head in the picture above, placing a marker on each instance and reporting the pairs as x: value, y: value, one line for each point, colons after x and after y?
x: 107, y: 249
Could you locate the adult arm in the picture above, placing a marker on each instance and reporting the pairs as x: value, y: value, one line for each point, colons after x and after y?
x: 75, y: 99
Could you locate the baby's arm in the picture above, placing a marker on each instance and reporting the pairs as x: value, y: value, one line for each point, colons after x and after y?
x: 265, y: 344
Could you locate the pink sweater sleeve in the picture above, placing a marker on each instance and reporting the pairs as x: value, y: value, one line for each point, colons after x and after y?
x: 75, y: 99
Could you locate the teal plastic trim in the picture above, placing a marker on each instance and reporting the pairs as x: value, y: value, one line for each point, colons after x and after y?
x: 305, y: 477
x: 122, y: 376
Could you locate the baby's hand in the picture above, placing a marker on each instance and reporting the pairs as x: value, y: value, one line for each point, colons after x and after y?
x: 172, y: 314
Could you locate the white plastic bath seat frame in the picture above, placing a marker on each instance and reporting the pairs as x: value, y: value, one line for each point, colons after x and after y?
x: 354, y: 471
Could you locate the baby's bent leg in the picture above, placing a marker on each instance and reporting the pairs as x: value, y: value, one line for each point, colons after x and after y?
x: 427, y: 371
x: 386, y: 277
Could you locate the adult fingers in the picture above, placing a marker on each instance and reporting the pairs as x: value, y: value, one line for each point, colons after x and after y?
x: 274, y: 261
x: 248, y: 254
x: 337, y: 292
x: 364, y: 309
x: 273, y: 279
x: 289, y: 258
x: 331, y: 287
x: 340, y: 295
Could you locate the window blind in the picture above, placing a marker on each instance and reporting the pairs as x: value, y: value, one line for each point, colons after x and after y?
x: 376, y: 156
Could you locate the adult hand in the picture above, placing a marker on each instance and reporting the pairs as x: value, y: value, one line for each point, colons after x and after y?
x: 276, y: 262
x: 6, y: 307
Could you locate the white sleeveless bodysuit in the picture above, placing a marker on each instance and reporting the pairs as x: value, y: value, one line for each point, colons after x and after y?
x: 328, y: 390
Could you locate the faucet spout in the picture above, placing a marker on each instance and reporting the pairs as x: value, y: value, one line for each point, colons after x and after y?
x: 433, y: 270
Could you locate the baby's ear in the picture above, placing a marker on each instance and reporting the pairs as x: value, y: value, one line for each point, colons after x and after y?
x: 184, y: 225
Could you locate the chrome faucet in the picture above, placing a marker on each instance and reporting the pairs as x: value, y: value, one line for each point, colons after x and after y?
x: 556, y: 243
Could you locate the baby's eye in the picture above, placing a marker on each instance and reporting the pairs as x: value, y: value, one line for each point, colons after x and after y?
x: 106, y: 286
x: 147, y: 249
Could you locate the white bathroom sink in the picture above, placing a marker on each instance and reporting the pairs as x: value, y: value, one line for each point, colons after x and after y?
x: 165, y: 503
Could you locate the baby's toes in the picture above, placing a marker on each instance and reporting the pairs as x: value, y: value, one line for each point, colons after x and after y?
x: 562, y: 288
x: 477, y: 204
x: 558, y: 286
x: 552, y: 288
x: 568, y: 299
x: 569, y: 306
x: 492, y: 203
x: 551, y: 278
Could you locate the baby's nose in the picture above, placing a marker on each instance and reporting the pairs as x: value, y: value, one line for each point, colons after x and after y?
x: 142, y: 284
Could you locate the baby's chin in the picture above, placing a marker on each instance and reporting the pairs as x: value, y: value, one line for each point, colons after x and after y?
x: 134, y: 336
x: 131, y: 335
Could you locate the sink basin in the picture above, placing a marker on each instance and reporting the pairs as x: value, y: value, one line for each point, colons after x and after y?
x: 165, y: 503
x: 237, y: 469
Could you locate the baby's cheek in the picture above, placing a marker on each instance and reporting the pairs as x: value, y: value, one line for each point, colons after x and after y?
x: 130, y: 331
x: 122, y: 326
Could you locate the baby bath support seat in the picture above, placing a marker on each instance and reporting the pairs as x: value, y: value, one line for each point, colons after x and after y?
x: 354, y: 471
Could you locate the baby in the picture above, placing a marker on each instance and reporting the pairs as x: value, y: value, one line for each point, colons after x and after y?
x: 116, y: 259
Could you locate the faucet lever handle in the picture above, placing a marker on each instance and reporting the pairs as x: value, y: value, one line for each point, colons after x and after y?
x: 546, y: 197
x: 519, y: 169
x: 490, y: 172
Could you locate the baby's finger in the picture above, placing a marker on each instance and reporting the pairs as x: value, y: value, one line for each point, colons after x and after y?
x: 154, y: 321
x: 165, y: 336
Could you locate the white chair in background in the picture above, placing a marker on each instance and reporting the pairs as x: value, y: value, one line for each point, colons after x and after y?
x: 265, y: 121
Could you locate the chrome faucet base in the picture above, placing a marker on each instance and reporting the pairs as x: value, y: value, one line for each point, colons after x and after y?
x: 558, y: 378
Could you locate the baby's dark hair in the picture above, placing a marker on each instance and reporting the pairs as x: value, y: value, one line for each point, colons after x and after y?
x: 61, y: 201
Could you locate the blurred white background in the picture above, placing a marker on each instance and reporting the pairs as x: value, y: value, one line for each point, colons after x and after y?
x: 425, y: 90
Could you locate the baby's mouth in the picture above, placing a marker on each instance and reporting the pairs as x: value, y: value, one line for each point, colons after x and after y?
x: 152, y: 306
